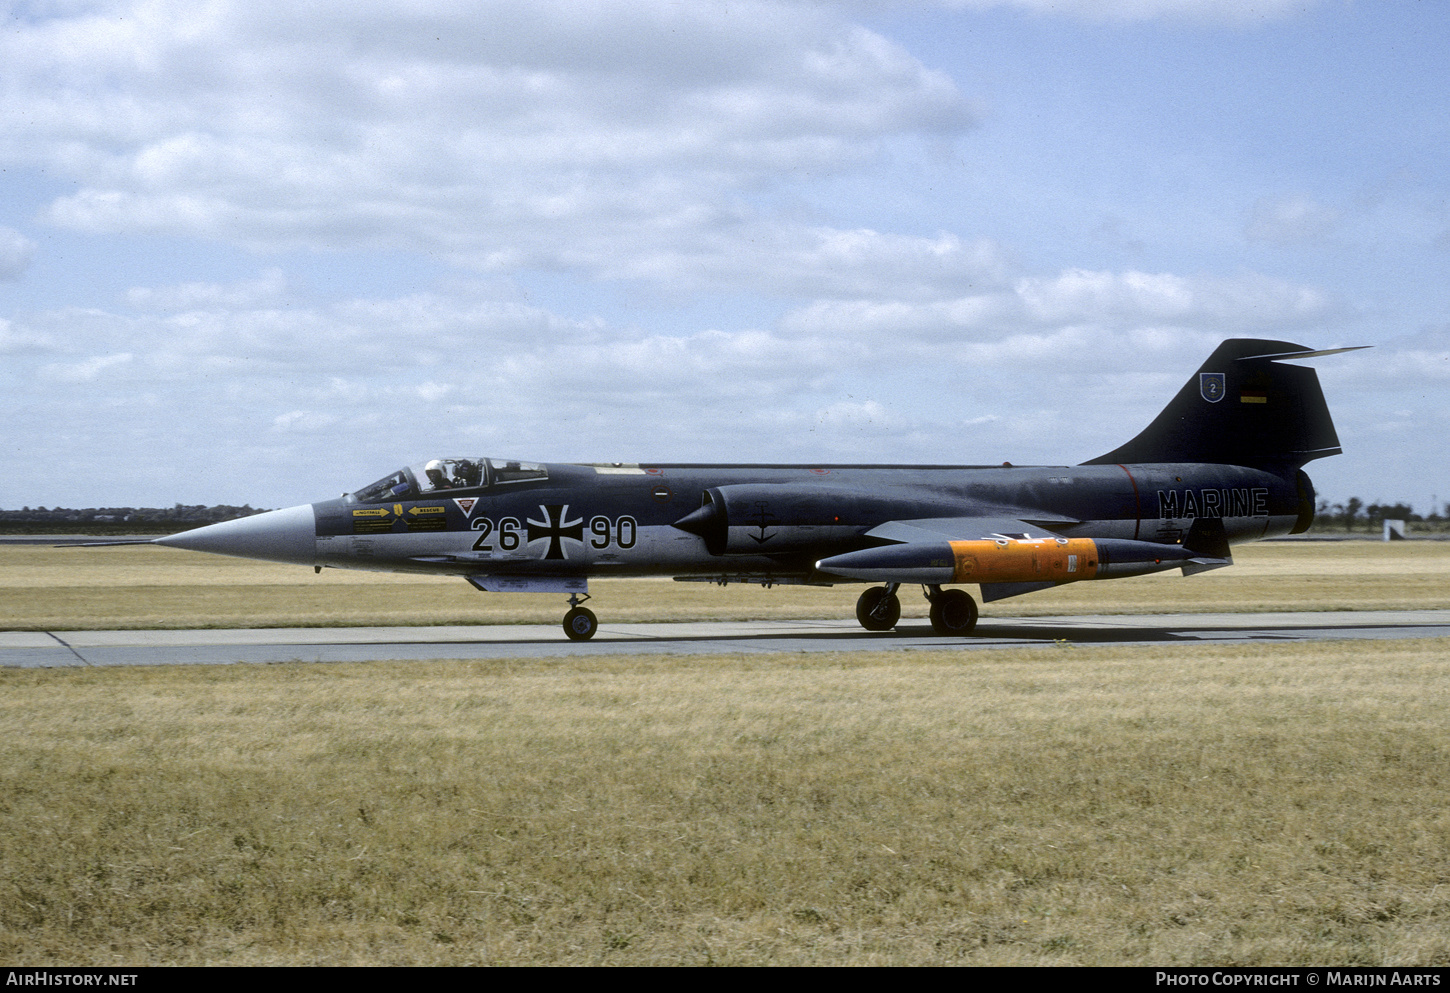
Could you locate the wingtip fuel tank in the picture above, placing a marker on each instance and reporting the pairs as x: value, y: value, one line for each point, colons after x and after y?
x: 1054, y: 560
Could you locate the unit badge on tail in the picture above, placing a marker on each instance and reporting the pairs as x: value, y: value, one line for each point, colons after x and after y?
x: 1211, y: 385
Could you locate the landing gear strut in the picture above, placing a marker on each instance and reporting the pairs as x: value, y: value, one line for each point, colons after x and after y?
x: 580, y: 622
x: 878, y: 609
x: 953, y: 612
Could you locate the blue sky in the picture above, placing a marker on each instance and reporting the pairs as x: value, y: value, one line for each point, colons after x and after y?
x: 258, y: 253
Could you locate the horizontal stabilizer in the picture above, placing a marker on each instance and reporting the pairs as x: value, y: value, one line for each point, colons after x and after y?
x: 1305, y: 354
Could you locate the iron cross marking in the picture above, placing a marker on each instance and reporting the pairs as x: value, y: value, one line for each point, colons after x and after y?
x: 554, y: 528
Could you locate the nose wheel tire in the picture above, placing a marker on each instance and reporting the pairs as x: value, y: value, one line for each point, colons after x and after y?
x: 953, y: 612
x: 878, y: 609
x: 580, y: 624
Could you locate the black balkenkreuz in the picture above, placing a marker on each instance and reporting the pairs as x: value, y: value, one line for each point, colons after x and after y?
x: 555, y: 528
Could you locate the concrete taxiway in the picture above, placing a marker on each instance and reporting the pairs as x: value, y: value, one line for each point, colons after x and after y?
x: 37, y: 649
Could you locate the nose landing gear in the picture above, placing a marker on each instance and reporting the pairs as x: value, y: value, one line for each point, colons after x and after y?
x: 580, y: 622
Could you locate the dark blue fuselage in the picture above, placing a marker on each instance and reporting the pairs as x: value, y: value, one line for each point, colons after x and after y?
x: 776, y: 521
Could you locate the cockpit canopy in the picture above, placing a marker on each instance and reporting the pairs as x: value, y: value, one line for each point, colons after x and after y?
x: 453, y: 476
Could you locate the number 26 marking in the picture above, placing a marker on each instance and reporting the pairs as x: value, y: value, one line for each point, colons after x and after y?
x: 485, y: 528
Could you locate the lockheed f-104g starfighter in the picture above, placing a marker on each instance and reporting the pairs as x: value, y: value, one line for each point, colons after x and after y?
x: 1221, y: 464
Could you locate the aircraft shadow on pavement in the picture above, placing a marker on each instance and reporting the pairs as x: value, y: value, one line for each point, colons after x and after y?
x: 989, y: 633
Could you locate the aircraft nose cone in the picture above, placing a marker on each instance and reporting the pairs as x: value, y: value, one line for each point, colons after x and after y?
x: 279, y: 535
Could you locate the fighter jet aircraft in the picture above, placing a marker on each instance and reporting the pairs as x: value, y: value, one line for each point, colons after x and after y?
x: 1221, y: 464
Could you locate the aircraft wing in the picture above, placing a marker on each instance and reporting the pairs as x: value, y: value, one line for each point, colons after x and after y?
x: 938, y: 529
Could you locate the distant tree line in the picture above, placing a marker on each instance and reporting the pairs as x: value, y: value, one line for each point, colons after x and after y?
x: 117, y: 520
x: 1354, y: 515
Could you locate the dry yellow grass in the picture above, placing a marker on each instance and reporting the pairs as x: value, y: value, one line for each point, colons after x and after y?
x: 1281, y: 804
x: 43, y: 588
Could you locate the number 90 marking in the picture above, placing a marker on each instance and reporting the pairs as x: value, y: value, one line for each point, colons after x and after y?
x: 603, y: 532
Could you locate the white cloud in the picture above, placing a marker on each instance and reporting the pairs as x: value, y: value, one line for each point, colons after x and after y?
x: 1222, y: 304
x: 1231, y: 12
x: 306, y: 401
x: 1095, y: 301
x: 1288, y: 220
x: 86, y: 371
x: 614, y: 137
x: 16, y: 253
x: 269, y: 287
x: 432, y: 392
x: 14, y: 341
x: 1402, y: 366
x: 643, y: 142
x: 853, y: 414
x: 303, y: 421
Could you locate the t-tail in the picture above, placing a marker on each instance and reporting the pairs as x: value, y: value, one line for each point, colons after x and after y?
x: 1244, y: 407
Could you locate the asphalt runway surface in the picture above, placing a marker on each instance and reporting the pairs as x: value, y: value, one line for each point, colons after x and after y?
x: 39, y: 649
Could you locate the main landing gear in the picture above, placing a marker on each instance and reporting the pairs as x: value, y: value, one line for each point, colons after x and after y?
x: 580, y: 622
x: 953, y: 612
x: 878, y: 609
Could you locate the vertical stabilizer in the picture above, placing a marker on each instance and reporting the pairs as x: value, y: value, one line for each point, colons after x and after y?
x: 1243, y: 407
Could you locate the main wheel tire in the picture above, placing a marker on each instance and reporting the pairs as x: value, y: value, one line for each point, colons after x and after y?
x: 878, y: 610
x: 953, y: 612
x: 580, y: 624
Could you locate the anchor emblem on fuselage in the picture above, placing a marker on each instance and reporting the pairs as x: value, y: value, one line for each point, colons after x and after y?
x: 762, y: 520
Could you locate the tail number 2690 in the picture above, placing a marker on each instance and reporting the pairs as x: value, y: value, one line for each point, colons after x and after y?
x: 603, y: 532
